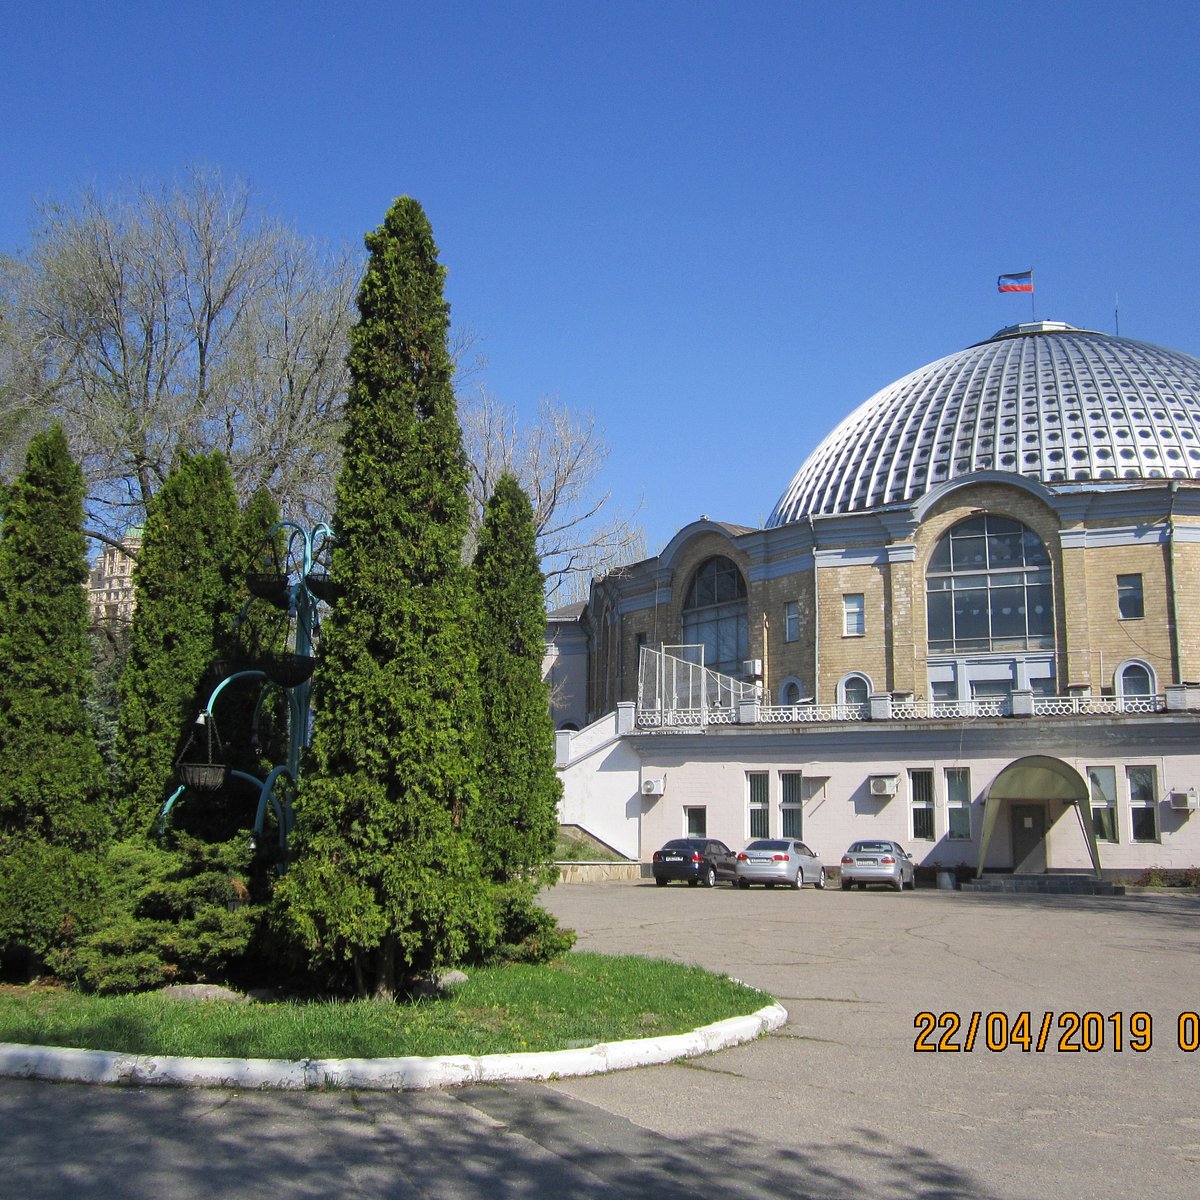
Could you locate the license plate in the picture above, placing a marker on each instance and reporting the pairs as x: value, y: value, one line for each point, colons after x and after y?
x: 862, y: 862
x: 672, y: 858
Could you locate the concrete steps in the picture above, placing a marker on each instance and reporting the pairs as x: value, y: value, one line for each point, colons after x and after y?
x: 1057, y: 885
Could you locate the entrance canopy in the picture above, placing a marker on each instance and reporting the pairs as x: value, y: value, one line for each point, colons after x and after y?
x: 1035, y: 778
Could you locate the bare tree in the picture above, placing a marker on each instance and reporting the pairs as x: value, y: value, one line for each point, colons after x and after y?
x: 558, y: 460
x: 180, y: 317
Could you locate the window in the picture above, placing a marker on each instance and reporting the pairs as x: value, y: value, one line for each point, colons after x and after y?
x: 791, y: 799
x: 1129, y: 597
x: 1143, y: 803
x: 790, y: 693
x: 1103, y: 783
x: 854, y: 615
x: 714, y: 616
x: 854, y: 689
x: 760, y: 816
x: 791, y: 621
x: 958, y: 803
x: 1133, y: 681
x: 921, y: 785
x: 695, y: 822
x: 987, y: 588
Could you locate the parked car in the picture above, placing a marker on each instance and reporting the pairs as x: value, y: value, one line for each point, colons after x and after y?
x: 696, y: 860
x: 878, y: 862
x: 779, y: 860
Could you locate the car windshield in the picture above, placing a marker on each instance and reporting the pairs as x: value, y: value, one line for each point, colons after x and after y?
x: 871, y: 848
x: 684, y: 844
x: 765, y: 845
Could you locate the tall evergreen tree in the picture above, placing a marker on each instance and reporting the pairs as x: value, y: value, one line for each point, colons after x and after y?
x: 515, y: 821
x: 185, y: 595
x: 52, y: 822
x: 383, y: 877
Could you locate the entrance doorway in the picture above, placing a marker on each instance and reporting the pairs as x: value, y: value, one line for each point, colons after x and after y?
x: 1028, y: 838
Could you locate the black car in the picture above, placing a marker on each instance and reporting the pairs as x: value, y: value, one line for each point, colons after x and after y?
x: 697, y: 860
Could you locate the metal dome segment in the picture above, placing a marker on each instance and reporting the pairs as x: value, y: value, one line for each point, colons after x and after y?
x: 1044, y: 399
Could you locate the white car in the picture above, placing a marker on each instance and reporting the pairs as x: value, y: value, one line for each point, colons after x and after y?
x: 779, y: 860
x: 878, y: 862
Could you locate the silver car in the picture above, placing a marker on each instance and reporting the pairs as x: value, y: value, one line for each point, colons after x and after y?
x: 878, y: 862
x: 779, y: 860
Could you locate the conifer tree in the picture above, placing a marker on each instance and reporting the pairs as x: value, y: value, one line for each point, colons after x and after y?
x: 52, y: 822
x: 383, y: 878
x: 185, y: 596
x: 515, y: 821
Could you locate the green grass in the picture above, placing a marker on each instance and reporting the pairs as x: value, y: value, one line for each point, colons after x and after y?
x: 580, y: 1000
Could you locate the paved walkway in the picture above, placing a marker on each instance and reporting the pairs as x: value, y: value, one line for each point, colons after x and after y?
x: 837, y: 1104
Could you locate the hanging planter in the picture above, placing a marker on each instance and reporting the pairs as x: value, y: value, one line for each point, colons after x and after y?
x: 210, y: 774
x: 271, y: 587
x: 321, y: 586
x: 288, y: 670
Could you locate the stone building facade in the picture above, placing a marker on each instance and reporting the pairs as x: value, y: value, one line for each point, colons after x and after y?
x: 970, y: 625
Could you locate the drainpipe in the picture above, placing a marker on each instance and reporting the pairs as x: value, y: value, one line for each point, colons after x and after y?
x: 1173, y: 614
x: 812, y: 530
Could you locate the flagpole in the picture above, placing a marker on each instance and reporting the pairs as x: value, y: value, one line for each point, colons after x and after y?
x: 1032, y: 297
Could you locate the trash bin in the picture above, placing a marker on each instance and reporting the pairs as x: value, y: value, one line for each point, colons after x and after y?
x: 946, y: 881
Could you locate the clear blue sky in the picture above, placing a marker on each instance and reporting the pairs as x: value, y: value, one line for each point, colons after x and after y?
x: 720, y: 227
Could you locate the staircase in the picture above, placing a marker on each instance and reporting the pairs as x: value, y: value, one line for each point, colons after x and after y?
x: 1056, y: 885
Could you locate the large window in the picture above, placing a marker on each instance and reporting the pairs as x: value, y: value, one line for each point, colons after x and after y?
x: 1143, y: 803
x: 791, y: 804
x: 854, y: 614
x: 988, y: 588
x: 958, y: 803
x: 1103, y: 784
x: 1130, y: 602
x: 757, y: 783
x: 791, y: 621
x: 714, y: 616
x: 921, y: 784
x: 695, y: 822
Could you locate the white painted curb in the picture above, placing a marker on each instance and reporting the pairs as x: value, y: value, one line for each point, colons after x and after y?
x: 380, y: 1074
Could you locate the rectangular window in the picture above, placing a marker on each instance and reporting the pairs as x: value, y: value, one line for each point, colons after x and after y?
x: 695, y: 821
x: 760, y: 815
x: 1143, y: 803
x: 921, y: 785
x: 1103, y: 784
x: 958, y: 803
x: 1130, y: 603
x: 854, y: 614
x: 790, y: 806
x: 791, y: 621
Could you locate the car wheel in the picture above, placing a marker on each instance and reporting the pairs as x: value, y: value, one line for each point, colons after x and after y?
x: 661, y: 882
x: 710, y: 878
x: 847, y: 885
x: 821, y: 879
x: 899, y: 884
x: 798, y: 882
x: 743, y: 883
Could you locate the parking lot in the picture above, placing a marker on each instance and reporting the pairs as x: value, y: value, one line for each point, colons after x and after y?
x: 836, y: 1104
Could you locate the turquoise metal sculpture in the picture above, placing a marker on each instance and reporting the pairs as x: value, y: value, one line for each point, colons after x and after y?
x: 296, y: 591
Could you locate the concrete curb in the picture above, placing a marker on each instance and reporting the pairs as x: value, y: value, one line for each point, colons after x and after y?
x: 376, y: 1074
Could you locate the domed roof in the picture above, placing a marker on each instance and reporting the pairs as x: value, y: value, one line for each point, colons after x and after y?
x: 1062, y: 405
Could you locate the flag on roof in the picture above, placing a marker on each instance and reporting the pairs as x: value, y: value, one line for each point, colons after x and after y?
x: 1022, y: 281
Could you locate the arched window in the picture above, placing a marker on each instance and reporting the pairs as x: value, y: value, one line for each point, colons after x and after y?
x: 791, y: 691
x: 1134, y: 679
x: 714, y: 616
x: 988, y: 588
x: 854, y: 689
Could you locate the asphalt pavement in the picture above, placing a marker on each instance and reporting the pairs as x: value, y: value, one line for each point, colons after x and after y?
x: 836, y: 1104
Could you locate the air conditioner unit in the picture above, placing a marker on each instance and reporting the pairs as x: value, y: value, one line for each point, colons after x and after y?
x: 1185, y: 801
x: 653, y: 787
x: 884, y: 785
x: 752, y: 668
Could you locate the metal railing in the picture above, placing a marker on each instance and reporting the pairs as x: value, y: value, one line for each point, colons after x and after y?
x: 1070, y: 706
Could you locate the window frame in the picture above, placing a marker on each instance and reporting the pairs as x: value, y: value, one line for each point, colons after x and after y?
x: 921, y: 803
x: 854, y: 614
x: 957, y: 803
x: 758, y: 807
x: 1106, y: 826
x: 688, y: 811
x: 791, y: 620
x: 1140, y: 806
x: 791, y: 807
x: 1135, y: 596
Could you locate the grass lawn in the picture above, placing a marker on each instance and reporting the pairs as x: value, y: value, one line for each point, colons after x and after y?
x: 578, y: 1001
